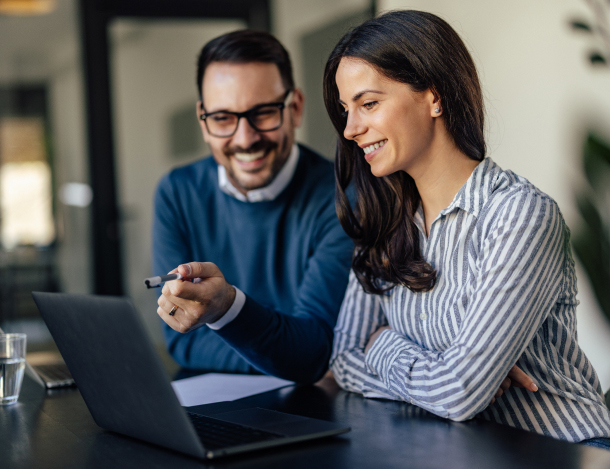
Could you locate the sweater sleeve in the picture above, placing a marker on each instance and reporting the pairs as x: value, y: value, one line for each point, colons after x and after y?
x: 296, y: 345
x: 520, y: 269
x: 202, y: 348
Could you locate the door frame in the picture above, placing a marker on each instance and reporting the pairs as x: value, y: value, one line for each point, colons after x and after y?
x: 95, y: 19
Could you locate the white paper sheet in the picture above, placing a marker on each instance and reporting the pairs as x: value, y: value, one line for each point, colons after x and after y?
x: 220, y: 387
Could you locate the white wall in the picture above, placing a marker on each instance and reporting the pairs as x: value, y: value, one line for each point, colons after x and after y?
x: 291, y: 19
x: 541, y: 98
x: 153, y: 75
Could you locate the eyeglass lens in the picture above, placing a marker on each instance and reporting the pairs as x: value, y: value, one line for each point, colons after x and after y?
x: 262, y: 119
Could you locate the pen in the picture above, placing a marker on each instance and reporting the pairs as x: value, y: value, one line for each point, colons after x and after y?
x: 153, y: 282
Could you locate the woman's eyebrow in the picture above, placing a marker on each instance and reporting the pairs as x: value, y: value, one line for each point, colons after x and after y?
x: 359, y: 95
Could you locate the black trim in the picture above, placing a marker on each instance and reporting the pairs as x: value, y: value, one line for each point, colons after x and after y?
x: 96, y: 16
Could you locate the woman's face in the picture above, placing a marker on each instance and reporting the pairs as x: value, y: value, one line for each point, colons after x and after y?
x: 393, y: 125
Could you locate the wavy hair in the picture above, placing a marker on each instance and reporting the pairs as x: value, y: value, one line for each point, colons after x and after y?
x: 424, y: 52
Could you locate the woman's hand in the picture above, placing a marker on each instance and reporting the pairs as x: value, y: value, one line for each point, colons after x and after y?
x: 374, y: 336
x: 516, y: 377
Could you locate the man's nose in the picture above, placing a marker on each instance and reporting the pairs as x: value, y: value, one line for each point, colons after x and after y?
x: 353, y: 127
x: 245, y: 135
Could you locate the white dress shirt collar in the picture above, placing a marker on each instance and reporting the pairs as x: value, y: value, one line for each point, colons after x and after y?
x: 270, y: 192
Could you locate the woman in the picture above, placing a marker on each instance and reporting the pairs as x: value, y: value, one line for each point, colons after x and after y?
x: 462, y: 269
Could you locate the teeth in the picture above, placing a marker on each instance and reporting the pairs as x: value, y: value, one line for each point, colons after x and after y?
x: 374, y: 146
x: 248, y: 157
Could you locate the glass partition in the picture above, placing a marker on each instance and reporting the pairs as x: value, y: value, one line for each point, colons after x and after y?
x: 153, y: 65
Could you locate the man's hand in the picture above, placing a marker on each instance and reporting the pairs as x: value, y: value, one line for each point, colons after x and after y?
x: 516, y: 377
x: 197, y: 303
x: 374, y: 336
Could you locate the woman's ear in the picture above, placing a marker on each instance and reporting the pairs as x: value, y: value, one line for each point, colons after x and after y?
x: 436, y: 107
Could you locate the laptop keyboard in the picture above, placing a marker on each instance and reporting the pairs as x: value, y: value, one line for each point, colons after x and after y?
x: 215, y: 434
x: 55, y: 375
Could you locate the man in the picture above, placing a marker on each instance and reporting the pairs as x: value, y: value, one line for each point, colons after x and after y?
x: 261, y: 214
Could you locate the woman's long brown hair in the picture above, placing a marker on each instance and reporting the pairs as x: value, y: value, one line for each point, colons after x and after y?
x: 424, y: 52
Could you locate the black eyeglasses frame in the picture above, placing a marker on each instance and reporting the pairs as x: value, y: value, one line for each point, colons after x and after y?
x: 281, y: 105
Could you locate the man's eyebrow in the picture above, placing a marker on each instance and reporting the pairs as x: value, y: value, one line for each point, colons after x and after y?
x: 277, y: 101
x: 359, y: 95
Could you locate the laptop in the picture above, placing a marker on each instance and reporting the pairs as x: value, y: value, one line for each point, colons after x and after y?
x: 53, y: 374
x: 126, y: 389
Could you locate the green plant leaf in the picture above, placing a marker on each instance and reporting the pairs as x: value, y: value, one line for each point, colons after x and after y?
x: 596, y: 160
x: 580, y: 25
x: 597, y: 59
x: 592, y: 242
x: 592, y: 247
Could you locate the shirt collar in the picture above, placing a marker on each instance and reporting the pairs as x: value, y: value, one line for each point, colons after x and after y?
x: 270, y: 192
x: 472, y: 195
x: 477, y: 189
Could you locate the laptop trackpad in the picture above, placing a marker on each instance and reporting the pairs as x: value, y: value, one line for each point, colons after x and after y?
x: 264, y: 419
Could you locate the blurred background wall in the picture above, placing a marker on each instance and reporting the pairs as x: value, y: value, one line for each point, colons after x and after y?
x: 41, y: 81
x: 542, y: 96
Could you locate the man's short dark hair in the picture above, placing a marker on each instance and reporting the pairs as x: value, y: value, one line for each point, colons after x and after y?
x: 245, y: 46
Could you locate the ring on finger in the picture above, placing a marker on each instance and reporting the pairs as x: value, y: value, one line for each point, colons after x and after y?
x: 173, y: 310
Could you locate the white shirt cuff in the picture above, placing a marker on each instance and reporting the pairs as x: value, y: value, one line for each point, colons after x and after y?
x: 234, y: 310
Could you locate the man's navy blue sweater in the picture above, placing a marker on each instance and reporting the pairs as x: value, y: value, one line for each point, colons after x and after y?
x: 290, y: 257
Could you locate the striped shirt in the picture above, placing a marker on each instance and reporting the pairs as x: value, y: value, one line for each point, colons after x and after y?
x: 505, y: 294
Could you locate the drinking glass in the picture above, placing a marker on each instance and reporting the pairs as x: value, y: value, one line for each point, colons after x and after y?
x: 12, y: 366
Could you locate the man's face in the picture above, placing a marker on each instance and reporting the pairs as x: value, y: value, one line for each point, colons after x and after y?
x: 252, y: 158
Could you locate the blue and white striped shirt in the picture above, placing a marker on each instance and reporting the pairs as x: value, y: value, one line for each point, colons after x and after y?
x: 505, y: 294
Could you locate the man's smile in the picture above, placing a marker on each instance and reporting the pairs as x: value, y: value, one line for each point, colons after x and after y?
x: 248, y: 157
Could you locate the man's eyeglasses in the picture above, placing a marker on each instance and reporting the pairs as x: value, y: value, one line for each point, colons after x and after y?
x: 262, y: 118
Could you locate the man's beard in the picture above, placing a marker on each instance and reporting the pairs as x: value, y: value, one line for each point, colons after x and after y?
x: 262, y: 145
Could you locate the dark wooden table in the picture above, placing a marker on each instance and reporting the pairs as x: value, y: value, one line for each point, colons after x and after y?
x: 55, y: 430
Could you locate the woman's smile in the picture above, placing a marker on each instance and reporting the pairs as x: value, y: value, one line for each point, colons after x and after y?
x: 370, y: 150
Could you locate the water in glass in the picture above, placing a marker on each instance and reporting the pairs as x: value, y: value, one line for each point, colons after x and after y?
x: 11, y: 376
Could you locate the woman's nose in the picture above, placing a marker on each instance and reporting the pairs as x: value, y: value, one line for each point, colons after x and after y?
x: 353, y: 127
